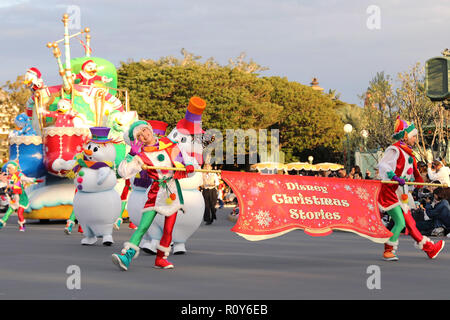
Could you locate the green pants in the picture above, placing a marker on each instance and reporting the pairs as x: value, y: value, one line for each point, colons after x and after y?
x: 72, y: 216
x: 399, y: 222
x: 7, y: 214
x: 146, y: 221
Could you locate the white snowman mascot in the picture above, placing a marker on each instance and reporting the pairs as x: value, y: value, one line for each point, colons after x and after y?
x: 188, y: 133
x: 96, y: 203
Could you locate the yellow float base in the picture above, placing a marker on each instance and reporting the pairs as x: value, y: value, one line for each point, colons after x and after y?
x: 61, y: 212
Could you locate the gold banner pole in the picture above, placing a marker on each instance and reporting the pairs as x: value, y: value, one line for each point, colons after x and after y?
x: 38, y: 111
x: 57, y: 55
x: 145, y: 167
x: 68, y: 69
x: 417, y: 183
x: 88, y: 42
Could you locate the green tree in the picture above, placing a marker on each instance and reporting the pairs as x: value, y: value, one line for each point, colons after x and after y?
x: 235, y: 98
x: 16, y: 94
x: 308, y: 124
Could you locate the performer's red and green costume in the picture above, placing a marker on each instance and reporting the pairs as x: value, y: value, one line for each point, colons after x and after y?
x: 164, y: 195
x: 399, y: 164
x: 19, y: 199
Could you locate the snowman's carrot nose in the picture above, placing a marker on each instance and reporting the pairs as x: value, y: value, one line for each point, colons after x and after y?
x: 88, y: 152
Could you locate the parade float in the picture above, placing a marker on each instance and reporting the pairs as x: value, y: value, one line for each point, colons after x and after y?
x: 56, y: 123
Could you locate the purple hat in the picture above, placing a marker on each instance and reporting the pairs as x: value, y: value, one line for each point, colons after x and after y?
x: 100, y: 134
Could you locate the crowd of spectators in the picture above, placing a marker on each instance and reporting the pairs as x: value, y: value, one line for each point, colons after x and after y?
x: 432, y: 212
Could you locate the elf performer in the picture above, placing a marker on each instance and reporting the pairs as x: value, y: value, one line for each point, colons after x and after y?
x: 18, y: 200
x: 164, y: 194
x: 399, y: 164
x: 142, y: 181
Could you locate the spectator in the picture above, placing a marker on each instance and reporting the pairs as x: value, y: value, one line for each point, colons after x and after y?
x: 210, y: 184
x: 357, y: 175
x: 342, y: 173
x: 220, y: 193
x: 423, y: 169
x: 437, y: 171
x: 333, y: 174
x: 356, y: 170
x: 439, y: 214
x: 419, y: 212
x: 230, y: 197
x: 377, y: 174
x: 324, y: 173
x: 368, y: 175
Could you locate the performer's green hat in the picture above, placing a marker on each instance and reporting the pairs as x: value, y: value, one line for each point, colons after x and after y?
x: 11, y: 162
x: 131, y: 134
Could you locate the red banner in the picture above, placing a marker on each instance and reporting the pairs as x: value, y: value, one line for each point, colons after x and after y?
x: 272, y: 205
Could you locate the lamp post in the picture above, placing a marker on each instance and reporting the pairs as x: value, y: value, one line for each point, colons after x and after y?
x: 364, y: 135
x: 348, y: 129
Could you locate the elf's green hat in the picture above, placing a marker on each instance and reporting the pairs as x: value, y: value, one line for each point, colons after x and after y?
x: 131, y: 134
x: 11, y: 162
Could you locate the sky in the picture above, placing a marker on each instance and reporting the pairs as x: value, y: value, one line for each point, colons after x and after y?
x: 342, y: 43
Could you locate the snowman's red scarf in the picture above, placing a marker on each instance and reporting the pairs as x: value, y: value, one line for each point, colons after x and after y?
x: 83, y: 162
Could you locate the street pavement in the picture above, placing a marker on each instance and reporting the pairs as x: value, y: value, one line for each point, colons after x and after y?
x: 219, y: 265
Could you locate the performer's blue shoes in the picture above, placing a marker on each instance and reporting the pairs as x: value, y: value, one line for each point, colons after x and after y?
x: 69, y: 226
x: 123, y: 260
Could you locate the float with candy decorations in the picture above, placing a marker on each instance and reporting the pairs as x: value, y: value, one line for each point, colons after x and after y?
x: 56, y: 123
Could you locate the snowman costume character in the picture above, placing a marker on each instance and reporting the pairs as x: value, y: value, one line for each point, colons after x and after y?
x: 399, y: 164
x: 188, y: 133
x: 96, y: 202
x: 164, y: 195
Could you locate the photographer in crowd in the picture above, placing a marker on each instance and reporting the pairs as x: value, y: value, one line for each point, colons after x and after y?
x: 439, y: 214
x: 438, y: 171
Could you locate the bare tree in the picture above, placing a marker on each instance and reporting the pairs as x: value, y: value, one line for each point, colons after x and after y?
x: 427, y: 116
x: 381, y: 108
